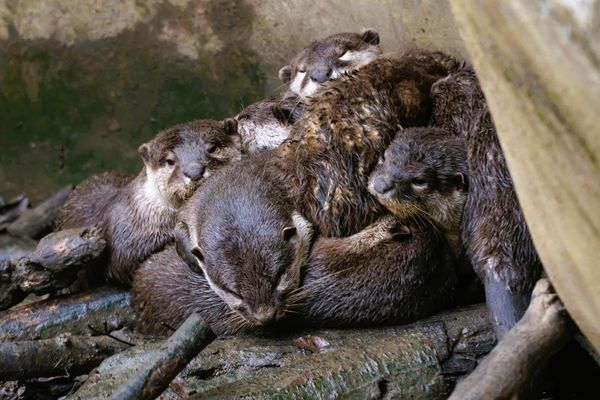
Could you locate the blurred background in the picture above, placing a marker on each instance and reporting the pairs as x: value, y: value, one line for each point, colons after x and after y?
x: 84, y: 82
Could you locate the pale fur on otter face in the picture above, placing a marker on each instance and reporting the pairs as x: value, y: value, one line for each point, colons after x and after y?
x: 328, y: 59
x: 423, y: 174
x: 179, y: 158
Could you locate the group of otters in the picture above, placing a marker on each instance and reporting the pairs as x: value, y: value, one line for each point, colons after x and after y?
x: 349, y: 200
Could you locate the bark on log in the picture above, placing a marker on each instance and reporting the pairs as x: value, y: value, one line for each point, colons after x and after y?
x: 544, y: 330
x: 64, y: 354
x: 12, y: 210
x: 191, y: 337
x: 53, y: 265
x: 422, y: 360
x: 104, y: 309
x: 36, y: 222
x: 538, y: 65
x: 14, y: 247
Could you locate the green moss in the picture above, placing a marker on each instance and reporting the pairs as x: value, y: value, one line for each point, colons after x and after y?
x: 57, y: 102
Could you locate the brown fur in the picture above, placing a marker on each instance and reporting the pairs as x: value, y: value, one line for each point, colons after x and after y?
x: 423, y: 174
x: 391, y: 272
x: 494, y: 231
x: 265, y: 124
x: 338, y: 141
x: 329, y: 59
x: 137, y: 215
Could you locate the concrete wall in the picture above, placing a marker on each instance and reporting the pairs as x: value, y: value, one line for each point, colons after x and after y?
x: 84, y: 82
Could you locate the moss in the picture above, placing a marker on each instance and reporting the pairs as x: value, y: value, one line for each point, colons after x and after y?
x: 56, y: 102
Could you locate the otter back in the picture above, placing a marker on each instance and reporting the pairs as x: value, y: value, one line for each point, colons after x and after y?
x: 336, y: 144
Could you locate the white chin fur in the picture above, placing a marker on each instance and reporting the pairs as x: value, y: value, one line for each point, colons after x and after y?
x: 310, y: 89
x: 295, y: 84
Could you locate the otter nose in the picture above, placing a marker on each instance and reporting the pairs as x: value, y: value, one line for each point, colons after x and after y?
x: 265, y: 316
x: 320, y: 74
x: 194, y: 173
x: 382, y: 184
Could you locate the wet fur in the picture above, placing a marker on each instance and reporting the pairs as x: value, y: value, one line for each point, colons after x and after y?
x: 494, y: 231
x: 437, y: 160
x: 265, y: 124
x: 337, y: 142
x: 137, y: 215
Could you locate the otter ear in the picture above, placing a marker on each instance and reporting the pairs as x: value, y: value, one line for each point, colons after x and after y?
x: 461, y: 181
x: 400, y: 232
x: 231, y: 126
x: 370, y: 36
x: 144, y: 151
x: 285, y: 74
x: 288, y: 232
x: 198, y: 253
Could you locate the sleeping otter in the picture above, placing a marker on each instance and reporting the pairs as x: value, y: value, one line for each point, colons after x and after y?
x: 137, y: 215
x: 329, y: 59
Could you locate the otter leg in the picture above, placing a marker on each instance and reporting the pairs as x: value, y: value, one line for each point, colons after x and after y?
x: 505, y: 307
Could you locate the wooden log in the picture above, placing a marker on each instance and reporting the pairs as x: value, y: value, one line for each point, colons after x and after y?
x: 421, y: 360
x: 191, y: 337
x: 53, y: 265
x: 105, y: 309
x: 537, y: 62
x: 63, y: 354
x: 12, y: 210
x: 36, y: 222
x: 542, y: 332
x: 14, y: 247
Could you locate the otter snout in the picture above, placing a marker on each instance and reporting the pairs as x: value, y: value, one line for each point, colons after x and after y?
x: 265, y: 316
x: 321, y: 74
x: 194, y: 173
x: 382, y: 184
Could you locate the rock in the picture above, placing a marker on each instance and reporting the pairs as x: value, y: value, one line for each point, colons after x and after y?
x: 13, y: 247
x: 11, y: 211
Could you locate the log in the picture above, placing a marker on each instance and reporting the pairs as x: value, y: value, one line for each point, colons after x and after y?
x: 191, y: 337
x: 14, y: 247
x: 36, y: 222
x: 538, y: 65
x: 542, y: 332
x: 105, y: 309
x: 12, y: 210
x: 63, y: 354
x: 421, y: 360
x: 53, y: 265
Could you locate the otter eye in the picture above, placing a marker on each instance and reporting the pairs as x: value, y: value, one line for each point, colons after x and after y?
x: 211, y: 149
x: 168, y: 161
x: 418, y: 183
x: 343, y: 53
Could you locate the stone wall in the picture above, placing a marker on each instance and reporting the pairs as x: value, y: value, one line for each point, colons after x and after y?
x: 84, y: 82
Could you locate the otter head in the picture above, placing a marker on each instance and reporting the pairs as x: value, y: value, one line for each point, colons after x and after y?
x: 178, y: 158
x: 423, y: 174
x: 328, y: 59
x: 252, y: 270
x: 265, y: 124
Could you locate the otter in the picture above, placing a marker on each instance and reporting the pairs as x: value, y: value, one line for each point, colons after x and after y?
x: 423, y: 174
x: 494, y: 231
x: 137, y: 215
x: 264, y: 125
x: 241, y: 231
x: 328, y: 59
x: 335, y: 145
x: 391, y: 272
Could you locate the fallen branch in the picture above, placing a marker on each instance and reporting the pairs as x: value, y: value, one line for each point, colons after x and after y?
x: 64, y: 354
x: 103, y: 309
x: 544, y: 329
x: 36, y: 222
x: 191, y: 337
x: 14, y: 247
x: 53, y: 265
x: 12, y: 210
